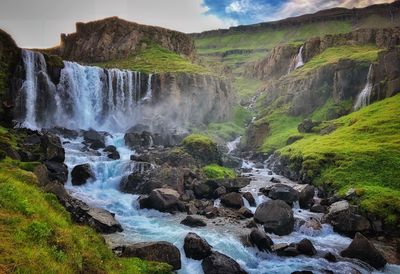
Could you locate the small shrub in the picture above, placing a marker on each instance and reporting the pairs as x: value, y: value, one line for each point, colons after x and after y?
x: 218, y: 172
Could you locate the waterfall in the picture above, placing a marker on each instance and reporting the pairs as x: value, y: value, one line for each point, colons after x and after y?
x: 85, y: 97
x: 364, y: 97
x: 297, y: 61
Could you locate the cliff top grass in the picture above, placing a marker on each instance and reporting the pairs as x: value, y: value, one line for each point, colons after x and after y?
x: 365, y: 53
x: 38, y: 236
x: 153, y: 58
x: 362, y: 153
x: 218, y: 172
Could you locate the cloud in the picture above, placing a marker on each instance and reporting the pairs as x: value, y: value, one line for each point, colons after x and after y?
x: 247, y: 12
x: 39, y: 23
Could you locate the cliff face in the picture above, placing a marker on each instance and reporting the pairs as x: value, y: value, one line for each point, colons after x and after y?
x: 114, y: 38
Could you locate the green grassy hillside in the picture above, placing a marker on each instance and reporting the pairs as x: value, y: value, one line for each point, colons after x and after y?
x: 38, y: 236
x: 362, y: 153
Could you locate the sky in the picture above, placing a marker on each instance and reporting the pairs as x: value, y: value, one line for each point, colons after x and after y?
x: 39, y: 23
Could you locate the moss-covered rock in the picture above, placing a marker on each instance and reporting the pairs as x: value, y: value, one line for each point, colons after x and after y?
x: 202, y: 148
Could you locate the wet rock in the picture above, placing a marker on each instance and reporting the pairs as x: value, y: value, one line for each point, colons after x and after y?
x: 251, y: 224
x: 330, y: 257
x: 196, y: 247
x: 289, y: 251
x: 231, y: 161
x: 318, y: 208
x: 57, y: 171
x: 233, y: 200
x: 193, y: 222
x: 233, y: 184
x: 345, y: 218
x: 162, y: 199
x: 249, y: 197
x: 110, y: 148
x: 275, y: 180
x: 361, y: 248
x: 306, y: 197
x: 259, y: 239
x: 283, y: 192
x: 220, y: 191
x: 81, y: 173
x: 52, y: 147
x: 94, y: 138
x: 103, y: 221
x: 245, y: 212
x: 306, y: 247
x: 97, y: 145
x: 279, y: 247
x: 114, y: 155
x: 276, y: 216
x: 161, y: 251
x: 65, y: 132
x: 218, y: 263
x: 211, y: 212
x: 302, y: 272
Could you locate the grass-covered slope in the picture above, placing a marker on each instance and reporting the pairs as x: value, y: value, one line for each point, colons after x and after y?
x: 362, y: 153
x: 153, y: 58
x: 38, y: 236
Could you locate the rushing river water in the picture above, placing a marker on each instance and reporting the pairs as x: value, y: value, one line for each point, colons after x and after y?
x: 150, y: 225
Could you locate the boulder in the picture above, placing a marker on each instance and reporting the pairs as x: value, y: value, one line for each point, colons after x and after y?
x: 307, y: 126
x: 81, y: 173
x: 94, y: 139
x: 318, y: 208
x: 52, y: 147
x: 259, y: 239
x: 233, y: 200
x: 276, y: 216
x: 162, y: 199
x: 306, y: 247
x: 288, y: 251
x: 161, y: 251
x: 245, y: 212
x: 193, y: 222
x: 196, y: 247
x: 103, y: 221
x: 249, y: 197
x: 218, y: 263
x: 57, y: 171
x: 330, y: 257
x: 220, y: 191
x: 345, y: 218
x: 283, y: 192
x: 114, y: 155
x: 362, y: 249
x: 110, y: 148
x: 306, y: 197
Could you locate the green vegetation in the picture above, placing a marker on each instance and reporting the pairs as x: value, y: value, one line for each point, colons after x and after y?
x: 331, y: 110
x: 38, y: 236
x: 365, y: 53
x: 363, y: 152
x: 218, y: 172
x: 194, y: 140
x: 246, y: 87
x: 154, y: 59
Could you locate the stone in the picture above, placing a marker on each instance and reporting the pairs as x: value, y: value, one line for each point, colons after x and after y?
x: 57, y: 171
x: 330, y: 257
x: 361, y: 248
x: 306, y: 247
x: 110, y: 148
x: 52, y: 147
x: 289, y: 251
x: 283, y: 192
x: 249, y: 197
x: 218, y: 263
x: 245, y: 212
x: 259, y: 239
x: 233, y: 200
x: 276, y: 216
x: 306, y: 197
x: 196, y: 247
x: 94, y: 138
x: 114, y: 155
x: 103, y: 221
x: 317, y: 208
x: 220, y: 191
x: 81, y: 173
x: 161, y: 251
x: 193, y: 222
x: 162, y: 199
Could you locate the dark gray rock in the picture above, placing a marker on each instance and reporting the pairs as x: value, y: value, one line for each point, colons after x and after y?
x: 276, y: 216
x: 245, y: 212
x: 193, y: 222
x: 163, y: 199
x: 196, y: 247
x: 283, y: 192
x: 306, y: 197
x: 233, y: 200
x: 57, y: 171
x: 249, y: 197
x: 306, y: 247
x: 259, y: 239
x: 218, y: 263
x: 81, y: 173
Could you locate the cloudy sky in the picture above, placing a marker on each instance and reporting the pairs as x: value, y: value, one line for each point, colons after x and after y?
x: 38, y: 23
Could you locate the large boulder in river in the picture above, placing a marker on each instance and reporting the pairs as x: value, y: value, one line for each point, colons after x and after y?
x: 57, y: 171
x: 218, y: 263
x: 95, y: 139
x: 162, y: 199
x: 276, y: 216
x: 196, y: 247
x: 233, y: 200
x: 103, y: 220
x: 345, y: 218
x: 259, y: 239
x: 164, y: 252
x: 306, y: 197
x: 282, y: 192
x: 202, y: 148
x: 362, y: 249
x: 193, y: 222
x: 81, y: 173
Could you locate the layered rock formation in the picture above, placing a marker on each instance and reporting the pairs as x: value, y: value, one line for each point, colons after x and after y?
x: 114, y: 38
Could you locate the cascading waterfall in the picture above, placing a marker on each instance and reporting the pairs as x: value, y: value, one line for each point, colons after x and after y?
x: 297, y: 61
x: 85, y: 97
x: 364, y: 97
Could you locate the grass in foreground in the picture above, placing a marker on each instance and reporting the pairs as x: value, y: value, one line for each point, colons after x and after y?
x: 38, y: 236
x: 155, y: 59
x: 362, y: 153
